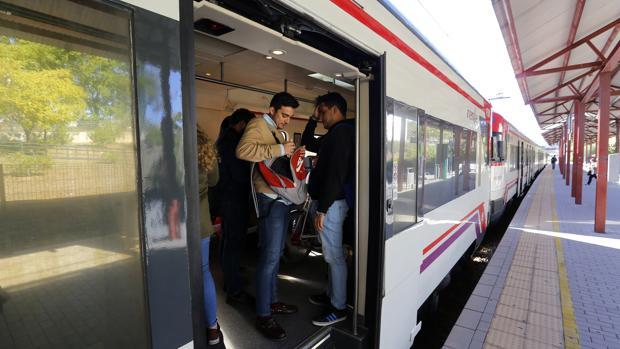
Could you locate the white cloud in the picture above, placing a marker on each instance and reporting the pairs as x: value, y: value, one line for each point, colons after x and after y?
x: 467, y: 34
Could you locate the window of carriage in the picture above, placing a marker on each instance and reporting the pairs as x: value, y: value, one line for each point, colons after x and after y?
x: 449, y: 166
x: 402, y: 162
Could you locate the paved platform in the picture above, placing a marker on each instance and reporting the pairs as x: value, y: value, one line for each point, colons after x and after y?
x: 552, y: 282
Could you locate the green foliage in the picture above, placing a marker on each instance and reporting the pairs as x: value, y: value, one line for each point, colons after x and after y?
x: 22, y: 164
x: 106, y: 132
x: 44, y: 89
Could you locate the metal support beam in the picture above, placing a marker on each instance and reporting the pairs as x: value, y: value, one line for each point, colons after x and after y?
x: 568, y: 140
x: 559, y: 69
x: 553, y: 99
x: 600, y: 204
x: 562, y: 153
x: 578, y: 163
x: 574, y: 45
x: 574, y: 142
x: 617, y: 136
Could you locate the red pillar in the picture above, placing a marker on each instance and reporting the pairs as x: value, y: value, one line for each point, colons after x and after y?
x: 578, y: 163
x: 617, y: 135
x: 600, y: 204
x: 567, y: 170
x: 561, y: 155
x: 575, y: 150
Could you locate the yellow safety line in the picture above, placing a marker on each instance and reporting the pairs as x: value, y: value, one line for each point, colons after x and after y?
x: 571, y: 333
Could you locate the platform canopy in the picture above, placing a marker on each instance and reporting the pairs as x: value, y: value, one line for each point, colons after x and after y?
x: 558, y: 50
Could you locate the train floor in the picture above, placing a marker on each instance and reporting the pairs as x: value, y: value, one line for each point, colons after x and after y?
x: 296, y: 281
x: 552, y: 282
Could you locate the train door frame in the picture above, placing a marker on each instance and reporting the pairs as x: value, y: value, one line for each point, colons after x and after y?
x: 375, y: 223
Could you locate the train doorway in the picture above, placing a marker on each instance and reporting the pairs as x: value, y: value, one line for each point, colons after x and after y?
x: 244, y: 69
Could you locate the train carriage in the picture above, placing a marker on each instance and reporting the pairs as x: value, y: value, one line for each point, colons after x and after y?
x: 434, y: 163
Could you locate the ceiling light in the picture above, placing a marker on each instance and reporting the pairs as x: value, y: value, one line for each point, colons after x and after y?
x: 338, y: 75
x: 277, y: 52
x: 208, y: 74
x: 268, y: 57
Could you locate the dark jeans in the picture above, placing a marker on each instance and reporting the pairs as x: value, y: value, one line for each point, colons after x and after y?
x: 272, y: 227
x: 235, y: 214
x: 553, y: 165
x: 590, y: 176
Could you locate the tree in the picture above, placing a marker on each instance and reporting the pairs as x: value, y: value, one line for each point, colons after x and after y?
x: 105, y: 85
x: 38, y: 100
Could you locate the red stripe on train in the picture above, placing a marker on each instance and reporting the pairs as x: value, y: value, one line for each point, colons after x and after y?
x: 356, y: 12
x: 479, y: 208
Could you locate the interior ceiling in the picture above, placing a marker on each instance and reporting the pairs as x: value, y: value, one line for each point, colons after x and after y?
x: 557, y: 49
x: 248, y: 68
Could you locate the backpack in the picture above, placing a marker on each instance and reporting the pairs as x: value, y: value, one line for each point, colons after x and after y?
x: 285, y: 176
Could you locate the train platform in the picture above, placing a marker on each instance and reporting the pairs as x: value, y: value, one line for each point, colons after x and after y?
x: 552, y: 282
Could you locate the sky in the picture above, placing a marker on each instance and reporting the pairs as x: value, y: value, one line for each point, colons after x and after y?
x: 467, y: 35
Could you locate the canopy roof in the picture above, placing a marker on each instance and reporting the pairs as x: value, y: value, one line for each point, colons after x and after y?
x: 558, y: 48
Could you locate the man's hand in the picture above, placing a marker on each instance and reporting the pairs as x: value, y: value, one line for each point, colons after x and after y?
x: 315, y: 115
x: 319, y: 218
x: 289, y: 148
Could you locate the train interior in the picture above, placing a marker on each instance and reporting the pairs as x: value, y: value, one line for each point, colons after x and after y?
x: 242, y: 70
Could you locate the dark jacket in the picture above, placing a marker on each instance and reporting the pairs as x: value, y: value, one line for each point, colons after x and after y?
x: 234, y: 173
x: 335, y: 167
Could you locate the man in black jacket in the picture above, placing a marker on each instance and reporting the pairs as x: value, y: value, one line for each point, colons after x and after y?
x: 234, y: 194
x: 331, y: 188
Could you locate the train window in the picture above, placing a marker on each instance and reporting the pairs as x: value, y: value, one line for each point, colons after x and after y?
x: 449, y: 165
x: 70, y: 261
x: 403, y: 141
x: 484, y: 137
x: 512, y: 157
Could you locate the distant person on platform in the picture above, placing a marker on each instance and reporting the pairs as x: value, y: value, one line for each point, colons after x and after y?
x: 553, y: 161
x: 592, y: 169
x: 234, y: 200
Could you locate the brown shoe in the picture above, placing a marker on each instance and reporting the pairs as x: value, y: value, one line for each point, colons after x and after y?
x: 213, y: 335
x: 283, y: 308
x: 270, y: 328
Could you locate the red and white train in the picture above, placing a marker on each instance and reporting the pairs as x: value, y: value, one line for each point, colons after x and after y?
x: 434, y: 163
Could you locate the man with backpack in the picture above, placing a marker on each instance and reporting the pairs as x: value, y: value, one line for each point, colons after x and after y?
x: 332, y: 189
x: 262, y: 140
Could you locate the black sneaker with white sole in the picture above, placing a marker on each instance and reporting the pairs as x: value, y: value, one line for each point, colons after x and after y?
x: 321, y: 299
x: 330, y: 317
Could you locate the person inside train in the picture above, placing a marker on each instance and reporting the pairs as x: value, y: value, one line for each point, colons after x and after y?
x: 233, y: 193
x: 331, y: 189
x: 553, y: 161
x: 208, y: 177
x: 262, y: 140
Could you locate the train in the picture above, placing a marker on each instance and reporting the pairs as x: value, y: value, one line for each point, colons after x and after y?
x: 436, y: 164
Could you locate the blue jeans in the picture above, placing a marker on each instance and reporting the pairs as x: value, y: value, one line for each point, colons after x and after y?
x: 272, y: 226
x: 331, y: 242
x: 208, y: 287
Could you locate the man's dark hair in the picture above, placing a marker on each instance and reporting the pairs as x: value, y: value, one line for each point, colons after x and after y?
x: 239, y: 115
x: 283, y: 99
x: 333, y: 99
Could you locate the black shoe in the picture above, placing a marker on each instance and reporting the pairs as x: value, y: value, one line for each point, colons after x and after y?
x: 213, y: 335
x: 270, y: 328
x: 321, y: 299
x: 283, y: 309
x: 241, y: 298
x: 330, y: 317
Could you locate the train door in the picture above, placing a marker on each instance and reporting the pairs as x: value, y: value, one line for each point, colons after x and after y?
x: 241, y: 61
x: 95, y: 217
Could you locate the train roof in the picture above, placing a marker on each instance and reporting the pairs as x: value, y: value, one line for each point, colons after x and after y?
x: 398, y: 15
